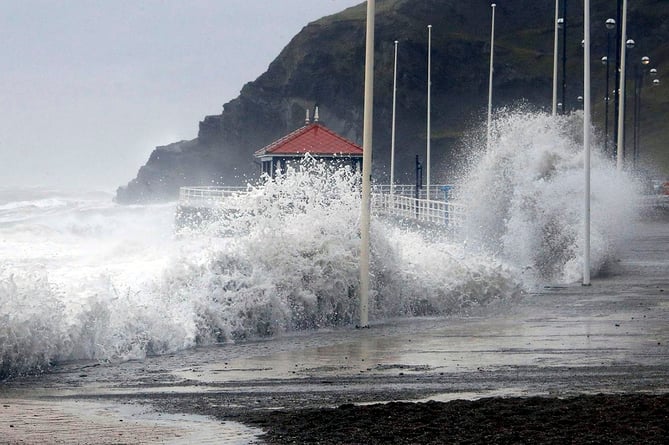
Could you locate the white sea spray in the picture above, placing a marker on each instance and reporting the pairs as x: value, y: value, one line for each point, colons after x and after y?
x: 525, y: 202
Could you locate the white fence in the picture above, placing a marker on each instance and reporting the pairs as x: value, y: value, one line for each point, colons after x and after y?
x: 431, y: 211
x: 401, y: 203
x: 437, y: 192
x: 207, y: 196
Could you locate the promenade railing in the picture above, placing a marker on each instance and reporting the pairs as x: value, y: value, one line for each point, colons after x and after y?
x: 207, y: 196
x: 441, y: 212
x: 437, y: 192
x: 402, y: 202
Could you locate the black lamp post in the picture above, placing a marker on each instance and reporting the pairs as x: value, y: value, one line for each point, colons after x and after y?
x: 641, y: 72
x: 419, y: 177
x: 638, y: 82
x: 563, y: 26
x: 419, y: 184
x: 630, y: 44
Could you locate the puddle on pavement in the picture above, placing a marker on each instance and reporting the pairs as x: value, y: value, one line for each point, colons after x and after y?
x: 462, y: 348
x: 73, y: 421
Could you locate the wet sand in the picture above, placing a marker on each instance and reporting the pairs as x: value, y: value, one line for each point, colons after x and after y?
x: 527, y: 371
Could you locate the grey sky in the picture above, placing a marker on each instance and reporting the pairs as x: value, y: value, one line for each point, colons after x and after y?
x: 89, y: 87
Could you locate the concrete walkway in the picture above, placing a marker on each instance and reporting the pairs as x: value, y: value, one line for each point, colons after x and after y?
x: 610, y: 337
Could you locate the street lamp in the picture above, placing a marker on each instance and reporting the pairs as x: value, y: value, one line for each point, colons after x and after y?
x: 555, y: 57
x: 620, y: 73
x: 638, y: 80
x: 586, y: 139
x: 492, y: 52
x: 429, y: 86
x: 653, y: 74
x: 638, y: 84
x: 629, y: 44
x: 562, y: 25
x: 610, y: 25
x: 367, y: 129
x: 392, y: 131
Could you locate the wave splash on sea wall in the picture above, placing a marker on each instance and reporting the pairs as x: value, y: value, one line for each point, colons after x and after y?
x: 525, y: 202
x: 293, y: 261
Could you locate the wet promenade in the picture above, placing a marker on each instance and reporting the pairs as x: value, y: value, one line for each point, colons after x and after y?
x: 562, y: 340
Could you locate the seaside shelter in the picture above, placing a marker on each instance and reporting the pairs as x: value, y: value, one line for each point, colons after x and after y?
x: 314, y: 139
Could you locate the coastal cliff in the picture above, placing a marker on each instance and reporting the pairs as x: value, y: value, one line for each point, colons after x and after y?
x: 324, y: 65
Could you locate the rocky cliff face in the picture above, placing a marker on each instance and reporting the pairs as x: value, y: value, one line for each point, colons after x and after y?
x: 324, y: 65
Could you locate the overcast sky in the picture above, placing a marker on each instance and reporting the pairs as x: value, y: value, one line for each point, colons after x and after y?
x: 89, y: 87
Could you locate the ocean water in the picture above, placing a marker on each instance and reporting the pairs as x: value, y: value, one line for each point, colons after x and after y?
x: 84, y: 278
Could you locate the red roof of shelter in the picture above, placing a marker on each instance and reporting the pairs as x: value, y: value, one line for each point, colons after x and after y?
x: 313, y: 138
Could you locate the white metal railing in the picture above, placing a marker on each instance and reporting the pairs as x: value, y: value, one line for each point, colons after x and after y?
x: 437, y: 212
x: 402, y: 203
x: 207, y: 196
x: 437, y: 192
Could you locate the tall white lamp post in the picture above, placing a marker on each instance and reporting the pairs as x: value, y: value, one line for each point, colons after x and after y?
x: 586, y: 139
x: 429, y: 86
x: 366, y: 166
x: 555, y: 58
x: 492, y: 53
x: 610, y: 25
x: 621, y: 91
x: 392, y: 130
